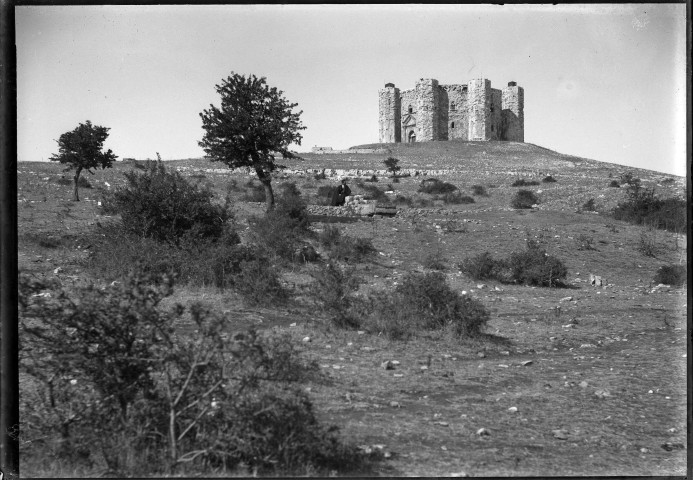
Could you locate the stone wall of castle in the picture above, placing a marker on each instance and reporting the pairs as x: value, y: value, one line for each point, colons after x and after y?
x: 441, y: 112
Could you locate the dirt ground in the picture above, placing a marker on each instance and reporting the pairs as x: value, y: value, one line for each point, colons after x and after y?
x: 576, y: 381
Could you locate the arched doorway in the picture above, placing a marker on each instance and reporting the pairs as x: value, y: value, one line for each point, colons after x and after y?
x: 412, y: 137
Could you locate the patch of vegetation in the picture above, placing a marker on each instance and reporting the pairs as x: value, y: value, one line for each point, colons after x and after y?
x: 524, y: 199
x: 479, y: 190
x: 333, y: 290
x: 675, y: 275
x: 584, y: 242
x: 82, y: 182
x: 533, y: 266
x: 668, y: 181
x: 589, y: 206
x: 521, y: 182
x: 391, y: 164
x: 456, y: 198
x: 373, y: 179
x: 116, y: 386
x: 254, y: 192
x: 325, y: 194
x: 436, y: 187
x: 163, y: 205
x: 374, y: 193
x: 425, y: 302
x: 435, y: 261
x: 343, y: 247
x: 320, y: 176
x: 643, y: 206
x: 627, y: 178
x: 549, y: 179
x: 615, y: 183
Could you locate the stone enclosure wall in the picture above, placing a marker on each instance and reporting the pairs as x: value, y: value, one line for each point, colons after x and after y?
x: 430, y: 111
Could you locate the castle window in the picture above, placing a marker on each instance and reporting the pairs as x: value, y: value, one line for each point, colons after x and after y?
x: 452, y: 125
x: 492, y: 129
x: 410, y: 109
x: 452, y: 106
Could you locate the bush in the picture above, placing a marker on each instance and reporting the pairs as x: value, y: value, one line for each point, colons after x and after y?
x: 615, y: 183
x: 438, y: 306
x: 627, y: 178
x: 480, y: 267
x: 479, y: 190
x: 521, y: 182
x: 435, y: 261
x: 333, y: 289
x: 532, y: 266
x: 374, y: 193
x: 589, y: 206
x: 117, y: 386
x: 320, y: 176
x: 254, y: 192
x: 549, y: 179
x: 372, y: 179
x: 643, y: 206
x: 524, y: 199
x: 675, y: 275
x: 392, y: 165
x: 435, y: 186
x: 584, y: 242
x: 456, y: 198
x: 165, y: 206
x: 343, y: 247
x: 325, y: 194
x: 81, y: 183
x: 535, y: 267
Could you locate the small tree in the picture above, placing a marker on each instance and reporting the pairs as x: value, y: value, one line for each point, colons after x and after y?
x: 392, y: 165
x: 81, y: 149
x: 254, y: 124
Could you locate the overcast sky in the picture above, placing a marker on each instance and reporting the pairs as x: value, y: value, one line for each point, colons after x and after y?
x: 605, y: 82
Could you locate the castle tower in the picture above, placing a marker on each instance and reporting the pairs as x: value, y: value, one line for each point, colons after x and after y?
x: 513, y: 107
x: 389, y: 114
x: 427, y: 110
x: 479, y: 100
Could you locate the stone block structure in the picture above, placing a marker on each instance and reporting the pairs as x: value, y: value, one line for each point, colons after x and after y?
x: 431, y: 111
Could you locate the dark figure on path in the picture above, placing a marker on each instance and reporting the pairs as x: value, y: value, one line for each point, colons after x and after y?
x: 340, y: 193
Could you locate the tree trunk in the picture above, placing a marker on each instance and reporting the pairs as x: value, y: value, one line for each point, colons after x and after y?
x: 76, y: 196
x: 266, y: 180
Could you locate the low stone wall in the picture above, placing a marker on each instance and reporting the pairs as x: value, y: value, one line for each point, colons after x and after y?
x: 330, y: 151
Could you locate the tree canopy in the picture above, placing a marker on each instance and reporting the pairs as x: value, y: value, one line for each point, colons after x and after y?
x: 82, y: 149
x: 254, y: 124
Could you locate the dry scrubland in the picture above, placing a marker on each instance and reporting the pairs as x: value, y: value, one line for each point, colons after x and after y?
x: 579, y: 380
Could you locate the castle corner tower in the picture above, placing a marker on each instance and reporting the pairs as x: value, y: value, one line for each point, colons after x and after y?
x: 389, y: 114
x: 513, y: 112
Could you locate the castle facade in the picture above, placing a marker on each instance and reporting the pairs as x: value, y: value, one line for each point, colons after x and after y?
x: 430, y: 111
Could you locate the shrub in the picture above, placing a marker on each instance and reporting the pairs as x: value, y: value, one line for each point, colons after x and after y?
x: 435, y: 261
x: 325, y: 194
x: 615, y: 183
x: 668, y: 181
x: 480, y: 267
x: 343, y: 247
x: 82, y: 182
x: 532, y: 266
x: 165, y: 206
x: 521, y: 182
x: 584, y: 242
x: 479, y: 190
x: 333, y: 289
x: 456, y: 198
x: 254, y: 192
x: 549, y: 179
x: 524, y: 199
x: 675, y: 275
x: 438, y: 306
x: 374, y: 193
x: 627, y: 178
x: 643, y: 206
x: 535, y: 267
x: 435, y: 186
x: 320, y: 176
x: 258, y: 282
x: 372, y: 179
x: 116, y: 385
x: 589, y: 206
x: 392, y: 165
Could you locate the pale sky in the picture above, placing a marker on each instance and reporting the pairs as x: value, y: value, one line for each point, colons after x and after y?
x: 605, y: 82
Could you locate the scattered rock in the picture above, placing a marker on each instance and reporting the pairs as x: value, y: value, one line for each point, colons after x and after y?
x: 442, y: 424
x: 512, y: 409
x: 388, y: 365
x: 459, y: 474
x: 293, y: 324
x: 481, y: 286
x: 395, y: 404
x: 583, y: 384
x: 58, y: 270
x: 526, y: 363
x: 306, y: 339
x: 560, y: 434
x: 482, y: 432
x: 481, y: 355
x: 602, y: 393
x: 644, y: 450
x: 566, y: 299
x: 672, y: 446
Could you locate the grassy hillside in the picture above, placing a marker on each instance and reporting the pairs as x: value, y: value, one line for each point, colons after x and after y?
x: 535, y: 381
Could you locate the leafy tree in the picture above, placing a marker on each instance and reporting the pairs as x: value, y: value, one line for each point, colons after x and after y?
x: 254, y: 124
x: 82, y: 149
x: 392, y: 165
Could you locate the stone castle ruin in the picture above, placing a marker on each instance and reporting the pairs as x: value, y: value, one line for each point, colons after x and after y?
x: 444, y: 112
